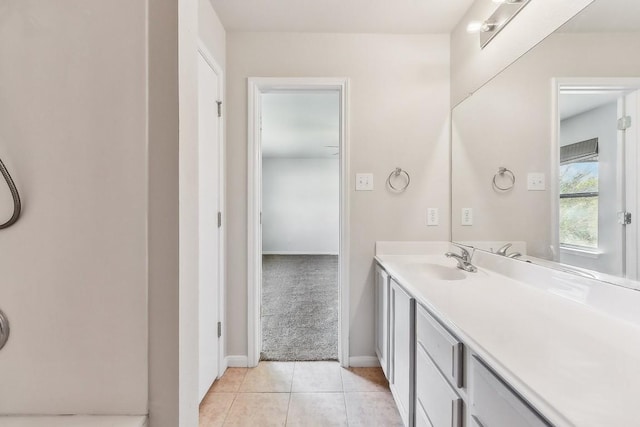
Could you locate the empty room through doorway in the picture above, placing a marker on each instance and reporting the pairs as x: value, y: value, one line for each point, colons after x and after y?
x: 300, y: 142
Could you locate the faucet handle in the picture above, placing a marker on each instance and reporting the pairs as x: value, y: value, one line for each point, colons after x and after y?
x: 466, y: 255
x: 503, y: 250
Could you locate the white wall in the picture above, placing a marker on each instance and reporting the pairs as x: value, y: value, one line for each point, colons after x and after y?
x: 399, y: 116
x: 300, y: 206
x: 516, y: 132
x: 472, y: 67
x: 191, y: 14
x: 74, y: 268
x: 173, y: 285
x: 600, y: 123
x: 211, y: 31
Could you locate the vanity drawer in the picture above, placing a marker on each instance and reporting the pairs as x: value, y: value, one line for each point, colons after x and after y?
x: 441, y: 405
x: 445, y: 349
x: 494, y: 404
x: 421, y: 418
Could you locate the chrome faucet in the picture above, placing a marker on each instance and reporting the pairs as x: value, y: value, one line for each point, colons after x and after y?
x: 464, y: 259
x: 503, y: 251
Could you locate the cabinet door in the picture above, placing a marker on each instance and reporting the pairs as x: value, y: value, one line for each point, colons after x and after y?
x: 382, y: 319
x: 402, y: 351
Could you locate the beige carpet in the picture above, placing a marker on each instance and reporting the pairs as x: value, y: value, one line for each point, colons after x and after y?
x: 299, y: 307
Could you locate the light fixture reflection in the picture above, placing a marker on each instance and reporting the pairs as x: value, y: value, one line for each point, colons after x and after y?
x: 480, y: 27
x: 491, y: 26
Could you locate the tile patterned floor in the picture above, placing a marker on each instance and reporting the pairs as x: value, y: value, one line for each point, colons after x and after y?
x: 300, y: 394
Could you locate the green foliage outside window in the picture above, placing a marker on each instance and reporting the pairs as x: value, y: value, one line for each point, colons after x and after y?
x: 579, y: 204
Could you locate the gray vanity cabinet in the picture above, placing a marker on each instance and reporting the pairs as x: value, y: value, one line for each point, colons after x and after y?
x: 402, y: 350
x: 435, y: 379
x: 382, y: 319
x: 439, y: 374
x: 494, y: 404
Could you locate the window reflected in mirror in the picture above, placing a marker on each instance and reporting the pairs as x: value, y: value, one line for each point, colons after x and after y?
x: 579, y: 195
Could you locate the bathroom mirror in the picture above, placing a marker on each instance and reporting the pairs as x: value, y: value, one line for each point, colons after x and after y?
x: 544, y: 155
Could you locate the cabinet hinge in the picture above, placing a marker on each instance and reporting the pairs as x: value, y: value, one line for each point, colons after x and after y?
x: 624, y: 218
x: 219, y: 108
x: 219, y: 329
x: 219, y: 219
x: 624, y: 123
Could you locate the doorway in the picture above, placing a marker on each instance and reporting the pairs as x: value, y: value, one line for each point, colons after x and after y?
x: 300, y: 225
x: 596, y: 199
x: 298, y: 234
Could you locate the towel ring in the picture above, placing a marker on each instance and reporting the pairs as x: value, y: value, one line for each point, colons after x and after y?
x: 502, y: 172
x: 396, y: 173
x: 17, y: 205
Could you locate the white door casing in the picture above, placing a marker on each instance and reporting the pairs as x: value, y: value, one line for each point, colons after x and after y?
x: 257, y: 86
x: 632, y: 158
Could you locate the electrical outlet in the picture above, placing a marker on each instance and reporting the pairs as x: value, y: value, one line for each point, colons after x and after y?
x: 432, y: 216
x: 535, y: 182
x: 364, y: 182
x: 467, y: 216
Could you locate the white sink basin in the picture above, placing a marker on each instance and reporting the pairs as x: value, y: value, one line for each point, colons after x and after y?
x: 436, y: 271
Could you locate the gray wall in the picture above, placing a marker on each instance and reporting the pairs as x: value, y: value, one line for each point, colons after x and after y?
x: 74, y: 268
x: 399, y: 111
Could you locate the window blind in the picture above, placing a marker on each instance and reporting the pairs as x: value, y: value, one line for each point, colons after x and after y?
x: 583, y: 151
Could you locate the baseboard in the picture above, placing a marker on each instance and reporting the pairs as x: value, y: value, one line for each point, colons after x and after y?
x: 236, y: 361
x: 224, y: 365
x: 297, y: 253
x: 364, y: 362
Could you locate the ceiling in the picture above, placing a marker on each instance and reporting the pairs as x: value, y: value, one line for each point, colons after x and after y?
x: 301, y: 125
x: 342, y: 16
x: 606, y: 16
x: 577, y: 103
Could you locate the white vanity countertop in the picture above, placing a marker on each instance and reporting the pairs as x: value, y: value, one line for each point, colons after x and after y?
x: 577, y: 364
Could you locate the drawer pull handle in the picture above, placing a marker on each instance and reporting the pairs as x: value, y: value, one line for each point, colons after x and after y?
x: 458, y: 361
x: 456, y: 413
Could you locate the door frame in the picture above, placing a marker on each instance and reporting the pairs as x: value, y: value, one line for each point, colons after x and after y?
x: 556, y: 85
x: 256, y: 87
x: 210, y: 59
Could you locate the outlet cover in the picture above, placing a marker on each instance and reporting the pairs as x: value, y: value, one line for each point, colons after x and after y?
x: 467, y: 216
x: 364, y: 182
x: 535, y: 181
x: 432, y: 216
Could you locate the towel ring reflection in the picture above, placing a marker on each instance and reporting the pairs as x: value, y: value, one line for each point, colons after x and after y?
x: 395, y: 174
x: 506, y: 173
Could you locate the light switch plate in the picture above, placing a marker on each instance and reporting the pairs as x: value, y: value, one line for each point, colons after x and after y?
x: 432, y: 216
x: 364, y: 182
x: 535, y: 181
x: 467, y: 216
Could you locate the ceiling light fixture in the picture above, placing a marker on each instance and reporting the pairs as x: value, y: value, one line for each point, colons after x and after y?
x: 489, y: 28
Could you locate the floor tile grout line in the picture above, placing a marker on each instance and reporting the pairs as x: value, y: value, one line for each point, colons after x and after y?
x: 286, y: 418
x: 235, y: 396
x: 346, y: 409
